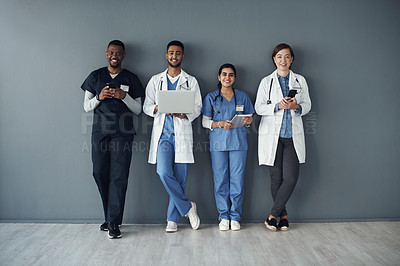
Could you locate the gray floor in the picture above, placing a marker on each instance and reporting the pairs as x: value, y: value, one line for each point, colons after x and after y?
x: 367, y: 243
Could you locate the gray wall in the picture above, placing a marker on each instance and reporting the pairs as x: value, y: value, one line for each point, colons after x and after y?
x: 347, y: 50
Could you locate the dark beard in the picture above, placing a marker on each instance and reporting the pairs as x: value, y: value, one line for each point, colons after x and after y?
x: 171, y: 65
x: 115, y: 66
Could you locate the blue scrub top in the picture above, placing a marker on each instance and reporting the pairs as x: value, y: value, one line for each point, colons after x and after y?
x: 168, y: 130
x: 235, y: 138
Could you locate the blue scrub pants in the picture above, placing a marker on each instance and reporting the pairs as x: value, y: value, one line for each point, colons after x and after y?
x: 173, y: 176
x: 228, y: 169
x: 111, y: 157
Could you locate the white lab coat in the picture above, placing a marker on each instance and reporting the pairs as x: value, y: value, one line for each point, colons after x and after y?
x: 182, y: 127
x: 271, y: 121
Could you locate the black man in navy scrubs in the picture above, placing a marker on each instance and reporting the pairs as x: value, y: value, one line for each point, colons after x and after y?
x: 114, y: 94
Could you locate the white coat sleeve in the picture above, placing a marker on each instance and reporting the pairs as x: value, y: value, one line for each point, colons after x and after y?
x: 197, y: 101
x: 90, y: 102
x: 261, y: 106
x: 135, y: 105
x: 207, y: 122
x: 305, y: 100
x: 150, y: 99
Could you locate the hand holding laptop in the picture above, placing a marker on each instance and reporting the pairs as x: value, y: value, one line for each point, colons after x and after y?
x: 179, y: 115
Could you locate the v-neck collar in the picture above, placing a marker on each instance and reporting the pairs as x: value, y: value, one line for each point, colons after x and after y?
x: 231, y: 98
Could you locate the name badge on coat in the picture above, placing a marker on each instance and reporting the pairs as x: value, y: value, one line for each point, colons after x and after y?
x: 239, y: 108
x: 125, y: 88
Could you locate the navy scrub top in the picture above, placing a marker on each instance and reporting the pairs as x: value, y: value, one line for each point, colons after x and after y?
x: 112, y: 115
x: 220, y: 138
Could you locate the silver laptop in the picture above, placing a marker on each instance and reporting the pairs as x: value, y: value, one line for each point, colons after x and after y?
x: 178, y: 101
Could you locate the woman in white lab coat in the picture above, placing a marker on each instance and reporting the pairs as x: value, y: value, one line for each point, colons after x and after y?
x: 281, y: 143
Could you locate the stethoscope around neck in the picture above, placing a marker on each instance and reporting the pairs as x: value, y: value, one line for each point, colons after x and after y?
x: 180, y: 86
x: 270, y: 88
x: 220, y: 105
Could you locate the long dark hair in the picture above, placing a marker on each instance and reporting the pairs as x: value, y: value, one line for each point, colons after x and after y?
x: 227, y: 65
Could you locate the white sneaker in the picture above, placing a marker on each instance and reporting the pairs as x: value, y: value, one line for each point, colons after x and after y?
x: 235, y: 226
x: 193, y: 217
x: 224, y: 225
x: 171, y: 227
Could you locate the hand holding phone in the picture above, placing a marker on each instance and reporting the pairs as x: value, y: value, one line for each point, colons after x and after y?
x: 292, y: 93
x: 105, y: 93
x: 111, y: 85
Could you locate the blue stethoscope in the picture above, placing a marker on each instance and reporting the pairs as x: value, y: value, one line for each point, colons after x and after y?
x: 270, y: 87
x: 220, y: 96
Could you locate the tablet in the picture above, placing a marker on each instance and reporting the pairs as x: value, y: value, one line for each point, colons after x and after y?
x: 237, y: 120
x: 177, y: 101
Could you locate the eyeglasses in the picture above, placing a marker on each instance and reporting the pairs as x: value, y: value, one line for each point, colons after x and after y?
x: 111, y: 53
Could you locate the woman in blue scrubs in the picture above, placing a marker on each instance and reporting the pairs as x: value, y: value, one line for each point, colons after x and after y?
x: 228, y: 145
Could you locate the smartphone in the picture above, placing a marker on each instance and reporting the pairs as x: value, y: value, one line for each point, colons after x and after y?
x: 292, y: 93
x: 111, y: 85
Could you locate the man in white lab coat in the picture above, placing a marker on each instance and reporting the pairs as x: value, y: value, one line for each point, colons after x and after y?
x: 171, y: 146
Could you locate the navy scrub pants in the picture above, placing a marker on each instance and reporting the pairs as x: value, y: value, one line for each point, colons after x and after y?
x: 284, y: 175
x: 111, y: 156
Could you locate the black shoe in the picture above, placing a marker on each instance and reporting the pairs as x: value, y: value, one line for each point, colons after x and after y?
x: 271, y: 224
x: 113, y: 231
x: 284, y: 225
x: 103, y: 227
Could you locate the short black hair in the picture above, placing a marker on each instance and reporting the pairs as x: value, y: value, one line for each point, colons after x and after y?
x: 176, y: 43
x: 117, y: 42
